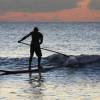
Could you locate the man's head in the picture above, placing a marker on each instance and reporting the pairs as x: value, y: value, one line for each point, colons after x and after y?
x: 36, y: 29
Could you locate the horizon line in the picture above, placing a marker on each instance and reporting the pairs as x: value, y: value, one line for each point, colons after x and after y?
x: 50, y: 21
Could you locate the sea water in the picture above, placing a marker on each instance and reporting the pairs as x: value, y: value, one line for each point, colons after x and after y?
x: 67, y: 38
x: 64, y: 83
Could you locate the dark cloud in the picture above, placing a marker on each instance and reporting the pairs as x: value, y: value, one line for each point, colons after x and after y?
x: 36, y: 5
x: 94, y: 4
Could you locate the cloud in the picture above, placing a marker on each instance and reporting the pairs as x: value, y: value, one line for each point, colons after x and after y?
x: 71, y: 15
x: 37, y: 5
x: 94, y: 4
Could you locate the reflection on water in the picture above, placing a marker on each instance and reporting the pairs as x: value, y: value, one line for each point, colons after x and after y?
x: 59, y: 84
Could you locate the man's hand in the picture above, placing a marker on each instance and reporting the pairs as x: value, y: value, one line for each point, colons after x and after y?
x: 40, y: 41
x: 19, y: 41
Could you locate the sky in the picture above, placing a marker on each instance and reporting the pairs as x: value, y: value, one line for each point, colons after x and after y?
x: 50, y: 10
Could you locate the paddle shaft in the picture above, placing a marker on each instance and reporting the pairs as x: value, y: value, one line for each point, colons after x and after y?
x: 47, y: 49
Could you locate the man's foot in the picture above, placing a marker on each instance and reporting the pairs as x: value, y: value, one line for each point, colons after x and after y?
x: 40, y: 67
x: 29, y: 68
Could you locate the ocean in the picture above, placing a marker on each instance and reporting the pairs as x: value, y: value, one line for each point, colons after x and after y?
x: 67, y: 38
x: 78, y: 39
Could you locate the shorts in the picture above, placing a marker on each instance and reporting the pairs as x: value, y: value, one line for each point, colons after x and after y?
x: 36, y: 49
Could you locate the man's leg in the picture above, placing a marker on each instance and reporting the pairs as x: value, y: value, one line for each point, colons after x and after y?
x: 30, y: 59
x: 39, y: 61
x: 39, y: 54
x: 39, y: 66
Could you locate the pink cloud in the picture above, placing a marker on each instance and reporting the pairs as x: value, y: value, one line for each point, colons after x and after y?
x: 81, y: 13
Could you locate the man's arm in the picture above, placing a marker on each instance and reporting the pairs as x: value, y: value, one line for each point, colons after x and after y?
x: 41, y: 39
x: 25, y: 37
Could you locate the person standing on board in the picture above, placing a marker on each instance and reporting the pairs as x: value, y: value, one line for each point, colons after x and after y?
x: 37, y: 40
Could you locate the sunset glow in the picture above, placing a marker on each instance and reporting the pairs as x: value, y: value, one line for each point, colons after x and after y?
x: 80, y: 13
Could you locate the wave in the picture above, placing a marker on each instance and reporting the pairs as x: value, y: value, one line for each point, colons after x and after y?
x: 73, y: 60
x: 54, y: 60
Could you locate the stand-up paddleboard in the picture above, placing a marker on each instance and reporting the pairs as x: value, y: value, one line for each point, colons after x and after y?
x: 6, y: 72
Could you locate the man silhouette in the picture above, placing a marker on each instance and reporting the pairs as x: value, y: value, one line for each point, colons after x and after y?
x: 37, y: 40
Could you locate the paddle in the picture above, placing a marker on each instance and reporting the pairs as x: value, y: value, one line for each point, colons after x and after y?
x: 47, y: 49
